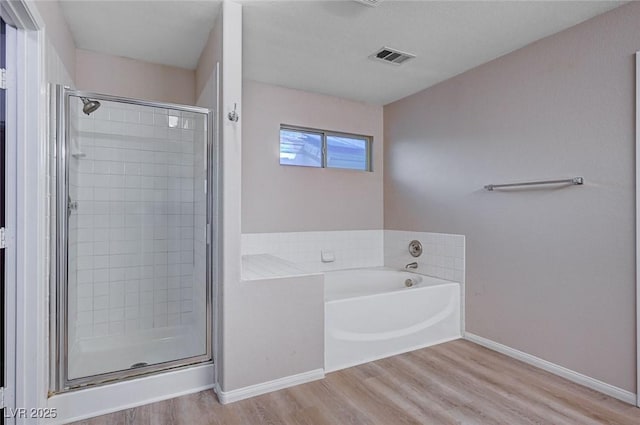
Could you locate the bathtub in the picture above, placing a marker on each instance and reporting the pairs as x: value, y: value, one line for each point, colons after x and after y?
x: 371, y: 314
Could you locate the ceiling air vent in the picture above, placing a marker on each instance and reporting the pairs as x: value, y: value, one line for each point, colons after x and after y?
x: 372, y: 3
x: 389, y: 55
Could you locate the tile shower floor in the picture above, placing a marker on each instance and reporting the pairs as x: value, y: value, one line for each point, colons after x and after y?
x: 94, y: 356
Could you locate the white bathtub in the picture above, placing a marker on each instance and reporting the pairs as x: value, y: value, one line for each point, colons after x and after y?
x: 370, y: 314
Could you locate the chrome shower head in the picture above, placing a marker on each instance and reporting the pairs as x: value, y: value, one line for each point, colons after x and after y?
x: 89, y: 105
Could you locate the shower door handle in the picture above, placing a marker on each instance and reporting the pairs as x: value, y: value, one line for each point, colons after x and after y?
x: 71, y: 206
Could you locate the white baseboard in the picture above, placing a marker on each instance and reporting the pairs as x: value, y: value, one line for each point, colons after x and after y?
x: 266, y: 387
x: 578, y: 378
x: 86, y: 403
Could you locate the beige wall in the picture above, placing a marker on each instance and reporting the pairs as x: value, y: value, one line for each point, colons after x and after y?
x: 211, y: 55
x: 233, y: 307
x: 115, y: 75
x: 59, y: 68
x: 285, y: 198
x: 209, y: 64
x: 111, y: 74
x: 550, y: 271
x: 278, y: 330
x: 59, y: 39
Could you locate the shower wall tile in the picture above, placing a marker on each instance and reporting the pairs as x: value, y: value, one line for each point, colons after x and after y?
x: 443, y: 254
x: 134, y: 240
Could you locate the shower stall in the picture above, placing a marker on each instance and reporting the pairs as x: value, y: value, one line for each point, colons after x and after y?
x: 133, y: 247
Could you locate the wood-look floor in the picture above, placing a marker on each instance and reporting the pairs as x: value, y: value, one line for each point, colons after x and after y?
x: 453, y: 383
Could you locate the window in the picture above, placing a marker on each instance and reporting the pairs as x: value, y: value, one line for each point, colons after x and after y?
x: 324, y: 149
x: 300, y: 147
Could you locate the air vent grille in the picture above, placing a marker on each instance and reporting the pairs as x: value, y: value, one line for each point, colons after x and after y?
x: 371, y: 3
x: 389, y: 55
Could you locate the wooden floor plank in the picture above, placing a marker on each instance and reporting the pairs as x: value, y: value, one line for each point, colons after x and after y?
x: 549, y: 388
x: 521, y: 392
x: 458, y: 382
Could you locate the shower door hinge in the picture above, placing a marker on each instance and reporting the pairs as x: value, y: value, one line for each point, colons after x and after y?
x: 3, y: 239
x: 3, y: 79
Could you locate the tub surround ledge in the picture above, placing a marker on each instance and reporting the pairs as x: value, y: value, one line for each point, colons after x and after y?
x: 267, y: 266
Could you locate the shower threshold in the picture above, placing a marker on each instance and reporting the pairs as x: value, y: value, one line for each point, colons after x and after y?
x: 96, y: 356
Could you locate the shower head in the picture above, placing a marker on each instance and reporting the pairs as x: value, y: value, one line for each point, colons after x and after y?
x: 89, y: 105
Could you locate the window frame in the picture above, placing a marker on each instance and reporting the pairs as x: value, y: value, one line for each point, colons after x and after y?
x: 324, y: 135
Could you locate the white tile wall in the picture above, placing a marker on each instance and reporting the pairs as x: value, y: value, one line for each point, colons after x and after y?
x: 133, y: 240
x: 352, y: 249
x: 443, y: 254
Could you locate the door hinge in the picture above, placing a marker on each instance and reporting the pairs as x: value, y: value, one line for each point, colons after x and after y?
x: 2, y: 406
x: 3, y: 239
x: 3, y: 79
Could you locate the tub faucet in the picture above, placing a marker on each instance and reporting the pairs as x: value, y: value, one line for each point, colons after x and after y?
x: 411, y: 266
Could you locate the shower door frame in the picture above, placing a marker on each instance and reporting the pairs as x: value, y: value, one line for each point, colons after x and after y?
x: 59, y: 295
x: 637, y: 182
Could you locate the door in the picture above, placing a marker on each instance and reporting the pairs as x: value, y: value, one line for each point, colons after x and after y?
x: 132, y: 289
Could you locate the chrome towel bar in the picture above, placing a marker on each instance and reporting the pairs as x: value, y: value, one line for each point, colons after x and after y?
x: 572, y: 181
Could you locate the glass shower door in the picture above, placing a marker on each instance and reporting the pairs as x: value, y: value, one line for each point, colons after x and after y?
x: 135, y: 297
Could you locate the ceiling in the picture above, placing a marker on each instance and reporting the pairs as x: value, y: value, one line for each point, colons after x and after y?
x: 165, y: 32
x: 323, y: 47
